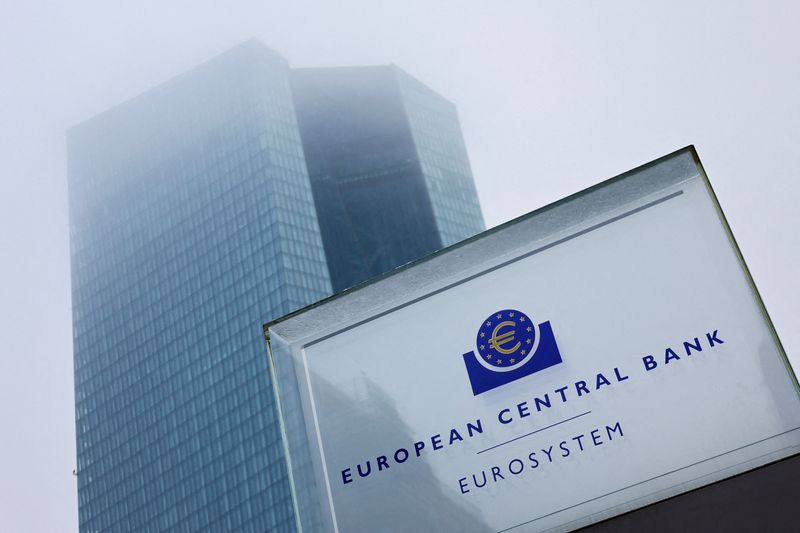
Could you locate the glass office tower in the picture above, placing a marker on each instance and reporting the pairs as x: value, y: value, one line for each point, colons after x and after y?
x: 192, y: 223
x: 388, y: 168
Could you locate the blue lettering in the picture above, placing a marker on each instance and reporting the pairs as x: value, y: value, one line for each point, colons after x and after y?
x: 521, y: 467
x: 561, y: 392
x: 418, y: 447
x: 601, y: 380
x: 713, y: 339
x: 578, y: 440
x: 404, y: 455
x: 382, y: 463
x: 522, y: 408
x: 564, y: 449
x: 463, y: 485
x: 669, y: 355
x: 548, y: 453
x: 581, y: 386
x: 436, y: 442
x: 503, y: 420
x: 364, y: 474
x: 619, y: 377
x: 454, y: 436
x: 532, y: 458
x: 649, y: 362
x: 688, y: 346
x: 613, y: 429
x: 596, y: 438
x: 347, y: 476
x: 475, y: 480
x: 539, y: 402
x: 477, y: 428
x: 496, y: 473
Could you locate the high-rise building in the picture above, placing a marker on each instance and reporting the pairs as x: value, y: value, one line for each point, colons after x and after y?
x: 388, y: 168
x: 193, y: 222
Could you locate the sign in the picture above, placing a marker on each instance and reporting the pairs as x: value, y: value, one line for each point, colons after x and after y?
x: 594, y: 356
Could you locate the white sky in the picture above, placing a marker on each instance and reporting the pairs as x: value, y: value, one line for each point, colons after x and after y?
x: 553, y: 97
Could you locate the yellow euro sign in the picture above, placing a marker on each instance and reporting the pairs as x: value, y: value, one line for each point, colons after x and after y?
x: 498, y: 339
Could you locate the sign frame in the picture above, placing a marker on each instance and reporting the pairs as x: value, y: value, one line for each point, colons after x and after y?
x: 610, y: 201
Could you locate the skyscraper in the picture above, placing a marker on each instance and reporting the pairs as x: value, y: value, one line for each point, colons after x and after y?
x: 388, y: 168
x: 193, y: 222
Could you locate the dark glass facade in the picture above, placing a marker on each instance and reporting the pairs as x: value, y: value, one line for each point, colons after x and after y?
x: 388, y: 168
x: 193, y: 222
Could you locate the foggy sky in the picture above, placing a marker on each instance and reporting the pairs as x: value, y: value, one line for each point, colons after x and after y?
x: 553, y: 97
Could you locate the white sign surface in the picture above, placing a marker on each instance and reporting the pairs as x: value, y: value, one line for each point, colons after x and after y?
x: 650, y: 369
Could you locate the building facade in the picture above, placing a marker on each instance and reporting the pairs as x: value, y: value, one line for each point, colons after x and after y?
x: 193, y: 221
x: 388, y: 168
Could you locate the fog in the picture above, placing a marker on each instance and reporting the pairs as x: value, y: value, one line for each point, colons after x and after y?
x: 553, y: 97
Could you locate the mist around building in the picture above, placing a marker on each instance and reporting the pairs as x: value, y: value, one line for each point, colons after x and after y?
x: 235, y: 193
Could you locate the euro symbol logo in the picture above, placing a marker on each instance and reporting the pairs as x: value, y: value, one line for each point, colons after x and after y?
x: 498, y: 339
x: 508, y: 348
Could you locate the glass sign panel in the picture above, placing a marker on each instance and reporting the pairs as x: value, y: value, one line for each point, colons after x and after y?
x: 594, y: 356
